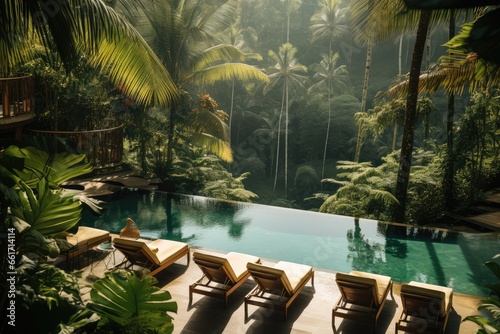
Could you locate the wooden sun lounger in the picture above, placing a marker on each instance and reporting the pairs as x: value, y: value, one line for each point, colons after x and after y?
x: 155, y: 255
x: 278, y: 286
x: 222, y: 274
x: 83, y: 240
x: 426, y: 308
x: 363, y: 296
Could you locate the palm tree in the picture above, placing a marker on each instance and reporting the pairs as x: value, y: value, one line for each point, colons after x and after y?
x: 328, y: 23
x: 289, y: 6
x: 363, y: 33
x: 183, y: 35
x: 236, y: 38
x: 329, y: 76
x: 286, y: 71
x: 104, y: 39
x: 460, y: 68
x: 386, y: 25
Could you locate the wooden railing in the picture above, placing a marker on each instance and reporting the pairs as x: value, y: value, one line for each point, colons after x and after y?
x: 18, y: 95
x: 103, y: 148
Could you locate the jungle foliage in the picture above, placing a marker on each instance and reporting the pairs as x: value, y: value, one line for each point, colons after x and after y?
x: 247, y: 103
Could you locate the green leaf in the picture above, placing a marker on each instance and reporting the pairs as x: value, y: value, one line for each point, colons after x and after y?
x: 48, y: 212
x: 494, y: 267
x: 124, y: 299
x: 56, y: 167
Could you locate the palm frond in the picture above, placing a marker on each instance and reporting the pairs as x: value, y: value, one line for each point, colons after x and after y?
x: 456, y: 72
x: 227, y: 72
x: 378, y: 21
x: 137, y: 72
x: 91, y: 29
x: 212, y: 144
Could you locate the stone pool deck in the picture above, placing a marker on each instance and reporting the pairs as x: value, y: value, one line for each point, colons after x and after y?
x: 310, y: 313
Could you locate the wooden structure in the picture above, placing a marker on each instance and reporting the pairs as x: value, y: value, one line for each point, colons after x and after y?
x: 103, y: 148
x: 222, y: 274
x: 426, y: 308
x: 363, y: 296
x: 278, y: 286
x: 154, y: 256
x: 17, y: 103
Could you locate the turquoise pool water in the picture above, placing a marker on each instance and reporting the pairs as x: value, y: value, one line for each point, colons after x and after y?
x: 324, y: 241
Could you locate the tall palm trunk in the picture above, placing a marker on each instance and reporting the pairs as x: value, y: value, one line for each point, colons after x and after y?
x: 400, y: 55
x: 286, y: 139
x: 231, y: 108
x: 288, y: 21
x: 449, y: 167
x: 327, y: 130
x: 401, y: 192
x: 400, y: 71
x: 359, y: 141
x: 278, y: 140
x: 174, y: 109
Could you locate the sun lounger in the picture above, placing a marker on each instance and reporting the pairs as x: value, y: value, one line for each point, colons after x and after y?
x: 426, y: 308
x: 277, y: 286
x: 363, y: 296
x: 155, y: 255
x: 84, y: 239
x: 222, y: 274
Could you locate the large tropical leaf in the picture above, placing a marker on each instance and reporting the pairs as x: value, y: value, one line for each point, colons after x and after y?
x: 491, y: 306
x: 135, y: 305
x: 382, y: 20
x: 458, y: 70
x: 137, y: 71
x: 48, y: 211
x: 85, y: 29
x: 56, y: 168
x: 214, y: 145
x: 227, y: 72
x: 448, y: 4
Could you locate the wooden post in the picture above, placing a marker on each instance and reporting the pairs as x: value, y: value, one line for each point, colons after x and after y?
x: 5, y: 88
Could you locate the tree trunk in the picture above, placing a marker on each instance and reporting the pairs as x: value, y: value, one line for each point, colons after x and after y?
x: 401, y: 191
x: 166, y: 184
x: 286, y: 140
x: 449, y: 167
x: 394, y: 136
x: 231, y: 109
x: 327, y: 131
x: 278, y: 139
x: 359, y: 141
x: 400, y: 65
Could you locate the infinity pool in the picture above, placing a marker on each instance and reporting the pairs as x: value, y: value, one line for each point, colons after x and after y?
x: 326, y: 241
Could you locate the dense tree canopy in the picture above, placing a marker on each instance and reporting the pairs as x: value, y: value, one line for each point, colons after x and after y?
x: 222, y: 52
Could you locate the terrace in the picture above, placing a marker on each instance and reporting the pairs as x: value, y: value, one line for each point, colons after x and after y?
x: 310, y: 313
x: 17, y: 103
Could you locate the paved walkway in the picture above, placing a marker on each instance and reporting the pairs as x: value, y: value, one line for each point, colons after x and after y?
x: 310, y: 313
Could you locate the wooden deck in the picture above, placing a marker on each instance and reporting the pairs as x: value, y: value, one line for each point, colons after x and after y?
x: 490, y: 220
x: 108, y: 186
x: 488, y: 213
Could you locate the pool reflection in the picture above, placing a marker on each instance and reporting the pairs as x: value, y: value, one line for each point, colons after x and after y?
x: 325, y: 241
